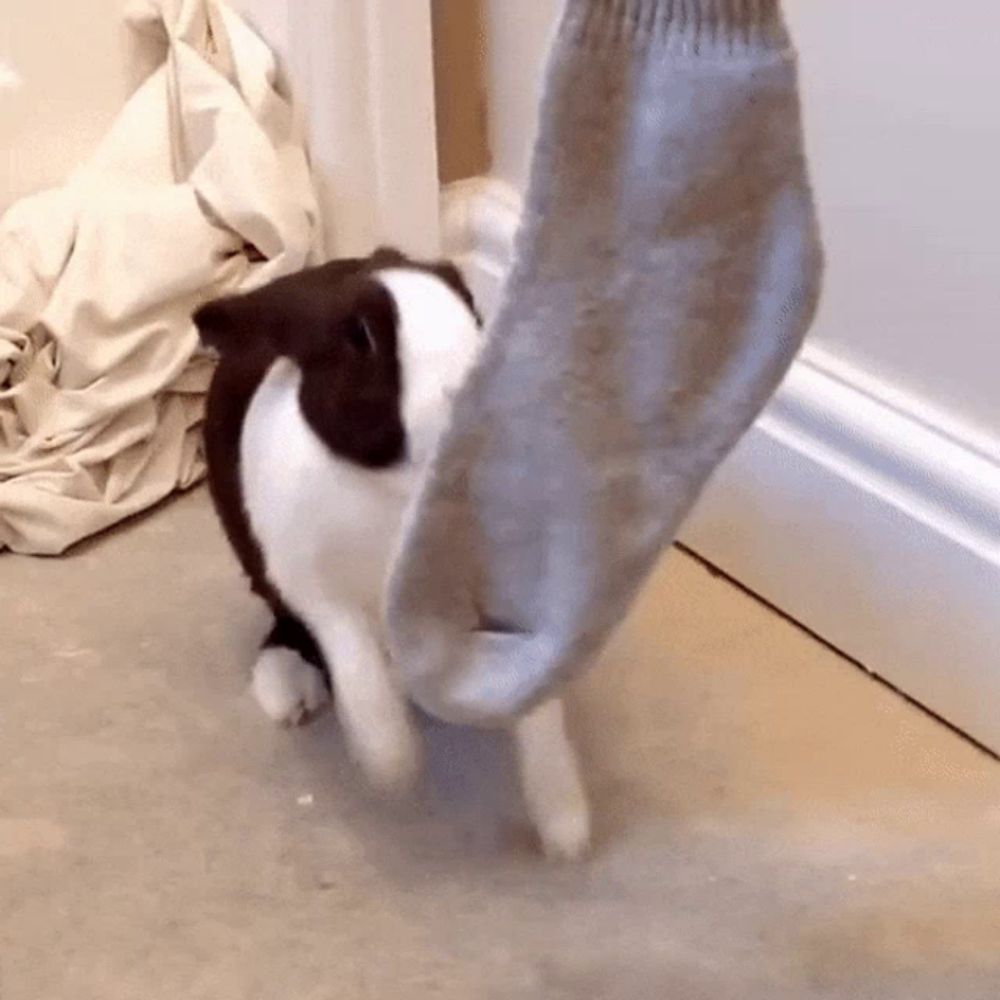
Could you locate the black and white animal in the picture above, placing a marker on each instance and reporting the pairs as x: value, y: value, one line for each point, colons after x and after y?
x: 332, y: 388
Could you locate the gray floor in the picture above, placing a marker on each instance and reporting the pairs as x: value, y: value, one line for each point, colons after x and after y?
x: 772, y: 823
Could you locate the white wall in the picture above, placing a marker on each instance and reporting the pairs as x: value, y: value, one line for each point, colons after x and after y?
x: 903, y: 124
x: 904, y: 128
x: 517, y: 37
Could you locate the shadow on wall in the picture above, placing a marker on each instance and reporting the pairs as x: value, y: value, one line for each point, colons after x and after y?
x: 460, y: 85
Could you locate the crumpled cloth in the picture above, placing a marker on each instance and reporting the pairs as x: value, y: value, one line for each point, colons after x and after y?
x: 202, y: 187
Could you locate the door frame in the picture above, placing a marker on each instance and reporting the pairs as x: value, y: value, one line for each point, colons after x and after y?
x: 361, y: 73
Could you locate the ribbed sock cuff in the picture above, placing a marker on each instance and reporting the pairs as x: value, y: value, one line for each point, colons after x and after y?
x: 692, y: 27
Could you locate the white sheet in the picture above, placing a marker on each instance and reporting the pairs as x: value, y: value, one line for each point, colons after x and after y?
x: 201, y: 187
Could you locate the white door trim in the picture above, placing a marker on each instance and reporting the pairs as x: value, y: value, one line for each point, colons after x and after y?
x: 856, y: 509
x: 362, y: 72
x: 403, y: 122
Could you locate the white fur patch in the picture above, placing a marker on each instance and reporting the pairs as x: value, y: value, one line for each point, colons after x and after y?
x: 438, y: 342
x: 326, y: 528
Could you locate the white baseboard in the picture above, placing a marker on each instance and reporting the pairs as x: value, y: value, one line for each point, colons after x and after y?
x: 860, y: 512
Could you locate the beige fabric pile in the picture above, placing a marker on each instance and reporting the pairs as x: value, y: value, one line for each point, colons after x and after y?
x: 201, y: 187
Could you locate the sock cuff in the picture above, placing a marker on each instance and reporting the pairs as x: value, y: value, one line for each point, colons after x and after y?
x: 691, y: 27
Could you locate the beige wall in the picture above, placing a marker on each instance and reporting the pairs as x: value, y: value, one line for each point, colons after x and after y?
x: 75, y: 78
x: 904, y: 136
x: 71, y: 57
x: 361, y: 68
x: 77, y: 63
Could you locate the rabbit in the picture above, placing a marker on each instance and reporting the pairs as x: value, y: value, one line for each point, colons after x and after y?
x: 331, y: 389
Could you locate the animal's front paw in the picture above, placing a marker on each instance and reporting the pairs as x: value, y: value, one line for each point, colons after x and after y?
x: 390, y: 756
x: 289, y: 690
x: 553, y: 791
x: 565, y: 831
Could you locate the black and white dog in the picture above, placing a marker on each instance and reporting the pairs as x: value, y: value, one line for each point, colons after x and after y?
x: 332, y: 389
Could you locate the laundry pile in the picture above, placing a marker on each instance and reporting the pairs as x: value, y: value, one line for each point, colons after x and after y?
x: 202, y: 187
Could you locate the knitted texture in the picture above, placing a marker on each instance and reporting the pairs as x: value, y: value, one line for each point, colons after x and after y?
x: 667, y: 269
x: 695, y: 26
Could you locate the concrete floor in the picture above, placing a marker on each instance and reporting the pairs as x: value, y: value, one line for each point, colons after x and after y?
x: 772, y: 823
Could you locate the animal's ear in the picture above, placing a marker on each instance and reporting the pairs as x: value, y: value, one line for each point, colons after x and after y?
x: 454, y: 279
x: 219, y: 324
x: 388, y: 257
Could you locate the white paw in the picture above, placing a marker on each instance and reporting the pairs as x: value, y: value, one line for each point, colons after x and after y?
x: 565, y: 831
x: 553, y: 790
x: 389, y: 756
x: 288, y: 689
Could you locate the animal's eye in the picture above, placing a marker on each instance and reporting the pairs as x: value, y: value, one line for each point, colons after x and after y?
x: 360, y: 337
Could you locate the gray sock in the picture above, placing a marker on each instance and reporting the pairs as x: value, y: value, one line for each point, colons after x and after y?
x: 666, y: 272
